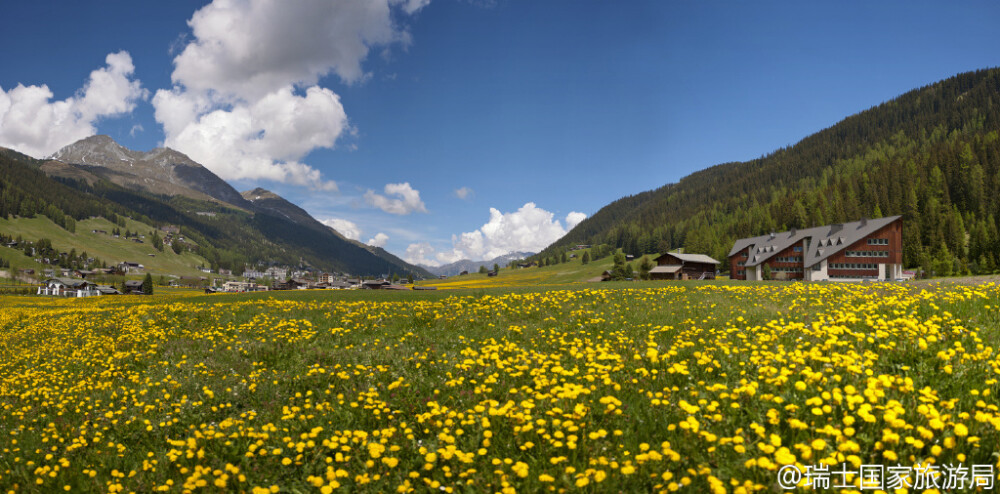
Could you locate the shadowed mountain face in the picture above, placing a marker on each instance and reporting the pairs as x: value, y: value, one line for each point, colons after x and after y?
x: 163, y: 186
x: 160, y: 171
x: 265, y: 201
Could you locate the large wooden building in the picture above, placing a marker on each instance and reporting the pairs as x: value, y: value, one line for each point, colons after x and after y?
x: 855, y: 251
x: 677, y: 266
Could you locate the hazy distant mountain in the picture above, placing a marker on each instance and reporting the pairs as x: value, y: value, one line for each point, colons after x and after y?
x: 160, y: 171
x: 473, y: 266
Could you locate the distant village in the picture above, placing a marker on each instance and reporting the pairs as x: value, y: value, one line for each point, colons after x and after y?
x: 856, y: 251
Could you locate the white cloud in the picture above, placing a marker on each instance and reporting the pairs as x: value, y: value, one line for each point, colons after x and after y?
x: 529, y: 229
x: 265, y: 139
x: 379, y: 240
x: 574, y: 218
x: 421, y: 253
x: 33, y: 124
x: 463, y: 193
x: 411, y: 6
x: 245, y: 100
x: 407, y: 199
x: 346, y: 228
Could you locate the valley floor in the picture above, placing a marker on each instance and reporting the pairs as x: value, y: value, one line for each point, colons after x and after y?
x: 629, y: 387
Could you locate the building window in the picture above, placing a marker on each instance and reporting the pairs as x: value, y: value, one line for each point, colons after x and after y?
x: 798, y: 248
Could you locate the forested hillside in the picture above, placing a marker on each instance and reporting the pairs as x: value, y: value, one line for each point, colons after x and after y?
x: 931, y: 155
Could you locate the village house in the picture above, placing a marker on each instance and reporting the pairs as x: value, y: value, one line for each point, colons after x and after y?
x: 242, y: 286
x: 133, y: 287
x: 854, y: 251
x: 678, y: 266
x: 130, y: 267
x: 68, y: 287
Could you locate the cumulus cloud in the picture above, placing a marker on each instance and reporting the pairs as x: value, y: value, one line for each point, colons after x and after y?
x: 574, y: 218
x: 406, y: 200
x: 265, y: 139
x: 421, y: 253
x: 346, y: 228
x: 379, y: 240
x: 463, y: 193
x: 529, y: 229
x: 245, y: 100
x: 33, y: 124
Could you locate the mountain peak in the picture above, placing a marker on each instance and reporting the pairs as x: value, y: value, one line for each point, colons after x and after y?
x: 260, y: 193
x: 161, y: 171
x: 94, y: 149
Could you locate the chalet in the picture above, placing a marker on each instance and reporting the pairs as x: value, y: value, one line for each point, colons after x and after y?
x: 68, y: 287
x: 491, y: 273
x: 339, y: 285
x: 463, y: 273
x: 677, y: 266
x: 375, y: 284
x: 130, y: 267
x: 133, y: 287
x: 84, y: 273
x: 394, y: 287
x: 854, y: 251
x: 300, y: 284
x: 107, y: 290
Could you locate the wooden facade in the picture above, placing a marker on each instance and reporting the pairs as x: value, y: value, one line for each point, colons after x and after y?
x: 864, y: 249
x: 684, y: 267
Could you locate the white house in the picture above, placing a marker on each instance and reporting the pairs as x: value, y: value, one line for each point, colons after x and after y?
x: 68, y: 287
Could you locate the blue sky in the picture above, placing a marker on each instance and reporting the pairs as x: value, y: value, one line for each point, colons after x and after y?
x: 566, y: 105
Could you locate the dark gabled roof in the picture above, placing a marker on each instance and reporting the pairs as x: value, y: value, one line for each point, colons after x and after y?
x: 824, y: 241
x: 700, y: 258
x: 133, y: 284
x: 69, y: 282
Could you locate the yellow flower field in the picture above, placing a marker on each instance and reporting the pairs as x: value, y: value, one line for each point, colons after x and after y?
x: 690, y: 387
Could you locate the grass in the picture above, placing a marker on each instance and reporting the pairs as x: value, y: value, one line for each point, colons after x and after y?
x: 101, y: 246
x: 573, y: 271
x: 620, y: 387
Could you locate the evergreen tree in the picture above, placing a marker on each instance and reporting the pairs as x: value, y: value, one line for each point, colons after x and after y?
x: 483, y: 270
x: 496, y: 268
x: 644, y: 266
x: 586, y: 258
x: 618, y: 269
x: 147, y: 284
